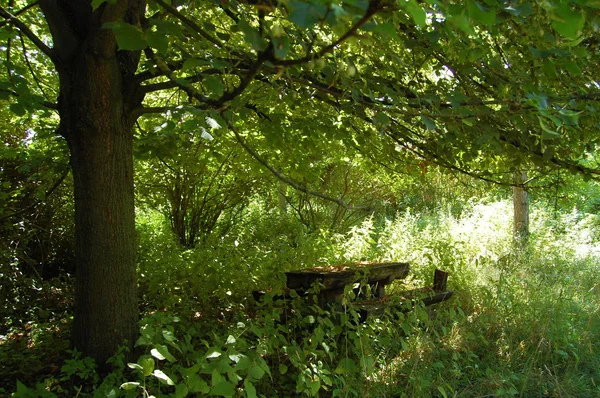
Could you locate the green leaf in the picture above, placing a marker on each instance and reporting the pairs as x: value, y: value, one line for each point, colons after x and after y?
x: 480, y: 13
x: 346, y: 365
x: 214, y: 85
x: 256, y: 372
x: 281, y: 46
x: 315, y: 386
x: 98, y: 3
x: 197, y: 385
x: 160, y: 375
x: 283, y: 369
x: 416, y: 12
x: 161, y: 352
x: 181, y: 391
x: 252, y: 36
x: 130, y: 385
x: 429, y: 124
x: 249, y: 389
x: 566, y: 21
x: 168, y: 29
x: 158, y: 40
x: 223, y: 389
x: 305, y: 15
x: 129, y: 37
x: 213, y: 353
x: 147, y: 365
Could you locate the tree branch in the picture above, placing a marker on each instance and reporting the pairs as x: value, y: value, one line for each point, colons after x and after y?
x: 374, y: 7
x: 285, y: 179
x: 10, y: 18
x: 173, y: 11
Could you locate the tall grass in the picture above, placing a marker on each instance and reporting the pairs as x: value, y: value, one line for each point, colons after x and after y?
x: 524, y: 321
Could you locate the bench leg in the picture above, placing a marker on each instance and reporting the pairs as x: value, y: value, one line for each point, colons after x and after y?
x: 439, y: 281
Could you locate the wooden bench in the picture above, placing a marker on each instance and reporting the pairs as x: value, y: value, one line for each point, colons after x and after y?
x: 326, y: 286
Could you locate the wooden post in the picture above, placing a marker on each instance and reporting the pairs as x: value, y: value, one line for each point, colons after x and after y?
x: 439, y: 281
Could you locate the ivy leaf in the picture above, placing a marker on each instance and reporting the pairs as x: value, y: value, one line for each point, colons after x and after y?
x: 129, y: 37
x: 566, y: 21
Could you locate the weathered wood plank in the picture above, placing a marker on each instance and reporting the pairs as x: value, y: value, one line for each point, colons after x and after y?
x: 338, y: 276
x: 399, y: 302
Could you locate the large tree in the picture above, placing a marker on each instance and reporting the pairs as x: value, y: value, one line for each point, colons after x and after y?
x: 478, y: 87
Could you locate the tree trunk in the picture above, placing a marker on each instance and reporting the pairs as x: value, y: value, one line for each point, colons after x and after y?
x: 281, y: 197
x: 96, y: 103
x: 100, y: 138
x: 521, y: 206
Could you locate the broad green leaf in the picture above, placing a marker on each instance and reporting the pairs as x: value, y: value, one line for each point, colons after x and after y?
x: 305, y: 14
x: 315, y: 386
x: 191, y: 63
x: 128, y: 37
x: 157, y: 40
x: 213, y: 353
x: 480, y: 13
x: 135, y: 366
x: 223, y: 389
x: 161, y: 352
x: 429, y: 124
x: 98, y: 3
x: 197, y: 385
x: 281, y: 46
x: 214, y: 85
x: 147, y: 365
x: 181, y: 391
x: 416, y: 12
x: 130, y: 385
x: 566, y: 21
x: 169, y: 29
x: 249, y: 389
x: 252, y: 36
x: 256, y: 372
x: 160, y: 375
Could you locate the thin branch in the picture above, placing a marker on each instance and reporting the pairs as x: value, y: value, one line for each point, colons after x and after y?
x: 21, y: 11
x: 47, y: 104
x: 48, y: 193
x: 285, y: 179
x: 31, y: 67
x: 10, y: 18
x: 372, y: 10
x: 150, y: 88
x: 173, y: 11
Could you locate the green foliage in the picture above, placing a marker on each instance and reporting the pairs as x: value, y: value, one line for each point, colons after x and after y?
x: 522, y: 322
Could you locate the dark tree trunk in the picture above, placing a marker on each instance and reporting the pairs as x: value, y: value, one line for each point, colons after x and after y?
x: 96, y: 104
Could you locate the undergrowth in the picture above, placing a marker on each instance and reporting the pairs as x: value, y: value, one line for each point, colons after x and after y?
x: 524, y: 319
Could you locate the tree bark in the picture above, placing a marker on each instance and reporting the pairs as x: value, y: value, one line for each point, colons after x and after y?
x: 520, y: 206
x: 95, y: 105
